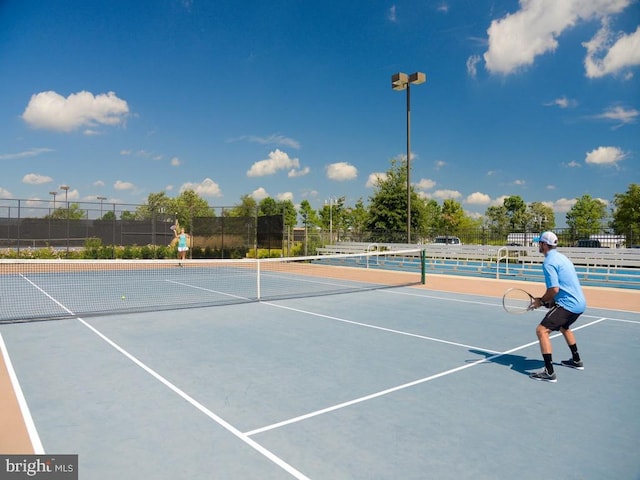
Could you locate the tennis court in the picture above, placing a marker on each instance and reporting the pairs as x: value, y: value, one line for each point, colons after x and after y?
x: 388, y: 380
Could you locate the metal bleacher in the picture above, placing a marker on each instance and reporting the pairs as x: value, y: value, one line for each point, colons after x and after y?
x: 614, y: 267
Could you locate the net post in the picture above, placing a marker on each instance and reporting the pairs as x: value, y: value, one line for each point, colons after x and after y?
x: 423, y: 266
x: 258, y: 293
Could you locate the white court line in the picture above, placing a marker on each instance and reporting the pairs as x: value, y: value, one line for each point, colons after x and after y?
x: 193, y: 402
x: 207, y: 289
x: 477, y: 302
x: 492, y: 304
x: 398, y: 387
x: 376, y: 327
x: 36, y: 444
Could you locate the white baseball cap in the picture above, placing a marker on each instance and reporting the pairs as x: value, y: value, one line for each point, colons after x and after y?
x: 549, y: 238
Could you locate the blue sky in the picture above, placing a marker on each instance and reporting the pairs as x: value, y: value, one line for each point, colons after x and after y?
x: 292, y: 99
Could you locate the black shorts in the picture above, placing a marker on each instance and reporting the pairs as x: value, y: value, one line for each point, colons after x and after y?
x: 557, y: 318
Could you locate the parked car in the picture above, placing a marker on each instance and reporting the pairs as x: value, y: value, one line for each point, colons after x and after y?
x: 447, y: 240
x: 588, y: 243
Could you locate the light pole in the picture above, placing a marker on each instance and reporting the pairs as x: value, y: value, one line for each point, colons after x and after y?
x: 66, y: 191
x: 66, y: 200
x: 102, y: 199
x: 330, y: 218
x: 402, y: 81
x: 54, y: 201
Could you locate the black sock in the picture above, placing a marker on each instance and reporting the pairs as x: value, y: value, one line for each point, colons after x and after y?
x: 548, y: 362
x: 574, y: 352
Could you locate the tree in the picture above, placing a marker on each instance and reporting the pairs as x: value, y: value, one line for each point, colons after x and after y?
x: 110, y: 215
x: 497, y: 220
x: 431, y: 213
x: 388, y: 206
x: 73, y: 212
x: 542, y: 217
x: 356, y: 219
x: 308, y: 215
x: 517, y: 212
x: 189, y: 205
x: 587, y: 216
x: 332, y: 216
x: 181, y: 209
x: 626, y: 216
x: 290, y: 214
x: 247, y: 208
x: 309, y: 220
x: 452, y: 216
x: 157, y: 204
x: 268, y: 206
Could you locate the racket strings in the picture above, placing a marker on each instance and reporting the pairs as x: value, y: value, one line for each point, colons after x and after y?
x: 517, y: 301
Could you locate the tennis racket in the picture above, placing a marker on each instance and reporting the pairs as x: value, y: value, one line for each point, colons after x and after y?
x: 172, y: 227
x: 516, y: 300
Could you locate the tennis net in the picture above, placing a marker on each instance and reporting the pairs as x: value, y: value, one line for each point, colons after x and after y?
x: 56, y: 289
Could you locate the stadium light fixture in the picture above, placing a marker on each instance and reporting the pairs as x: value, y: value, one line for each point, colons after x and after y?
x: 401, y: 81
x: 102, y: 199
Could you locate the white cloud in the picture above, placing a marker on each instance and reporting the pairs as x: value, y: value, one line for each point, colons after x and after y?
x: 478, y: 198
x: 259, y: 194
x: 443, y: 8
x: 274, y: 139
x: 392, y: 14
x: 175, y: 162
x: 5, y: 193
x: 439, y: 164
x: 341, y: 171
x: 500, y: 200
x: 472, y: 63
x: 120, y: 185
x: 518, y: 38
x: 35, y: 179
x: 562, y: 102
x: 51, y: 111
x: 70, y: 195
x: 605, y: 156
x: 624, y: 53
x: 563, y: 205
x: 206, y: 188
x: 574, y: 164
x: 298, y: 173
x: 26, y: 154
x: 374, y: 178
x: 278, y: 160
x: 446, y: 194
x: 285, y: 196
x: 98, y: 183
x: 620, y: 115
x: 425, y: 184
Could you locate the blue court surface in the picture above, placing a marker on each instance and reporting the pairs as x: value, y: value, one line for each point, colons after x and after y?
x: 400, y: 383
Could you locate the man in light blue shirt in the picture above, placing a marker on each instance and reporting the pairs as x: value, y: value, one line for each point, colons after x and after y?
x: 566, y: 303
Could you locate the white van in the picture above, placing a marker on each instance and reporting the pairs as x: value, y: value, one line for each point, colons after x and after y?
x: 447, y: 240
x: 610, y: 241
x: 522, y: 239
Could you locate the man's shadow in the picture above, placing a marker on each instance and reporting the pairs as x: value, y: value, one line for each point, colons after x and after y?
x: 517, y: 363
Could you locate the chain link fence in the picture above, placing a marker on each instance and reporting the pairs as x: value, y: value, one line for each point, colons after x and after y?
x: 101, y: 230
x: 114, y: 230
